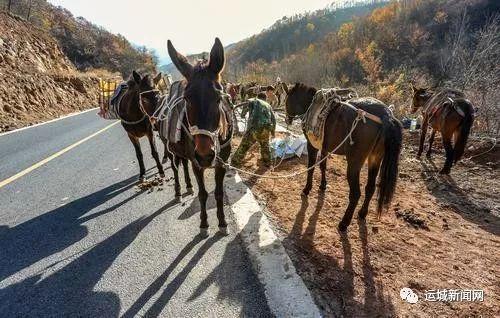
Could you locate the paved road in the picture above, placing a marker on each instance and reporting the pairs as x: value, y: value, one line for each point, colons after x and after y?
x: 78, y: 239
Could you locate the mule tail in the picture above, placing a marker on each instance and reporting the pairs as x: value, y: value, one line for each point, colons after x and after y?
x: 465, y: 126
x: 392, y: 134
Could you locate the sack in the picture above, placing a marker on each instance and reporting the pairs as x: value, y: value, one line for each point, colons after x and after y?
x: 110, y: 105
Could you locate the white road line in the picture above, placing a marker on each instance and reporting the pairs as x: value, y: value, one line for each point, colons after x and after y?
x: 51, y: 157
x: 47, y: 122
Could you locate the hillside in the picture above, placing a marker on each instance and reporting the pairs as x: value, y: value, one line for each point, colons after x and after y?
x: 432, y: 43
x: 38, y: 81
x: 87, y: 45
x: 292, y: 34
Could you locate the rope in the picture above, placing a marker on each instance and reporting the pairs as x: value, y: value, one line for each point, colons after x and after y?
x: 359, y: 118
x: 485, y: 152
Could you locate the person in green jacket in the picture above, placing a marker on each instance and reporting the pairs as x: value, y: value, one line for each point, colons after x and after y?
x: 261, y: 124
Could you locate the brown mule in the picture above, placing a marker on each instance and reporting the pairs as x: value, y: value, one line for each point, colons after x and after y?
x: 380, y: 144
x: 446, y: 111
x: 135, y: 122
x: 204, y: 139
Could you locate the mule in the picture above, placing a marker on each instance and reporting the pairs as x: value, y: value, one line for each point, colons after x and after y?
x: 377, y: 143
x: 233, y: 90
x: 135, y: 122
x: 281, y: 90
x: 446, y: 111
x: 206, y: 132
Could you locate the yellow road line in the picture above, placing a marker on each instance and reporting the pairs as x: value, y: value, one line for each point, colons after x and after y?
x: 57, y: 154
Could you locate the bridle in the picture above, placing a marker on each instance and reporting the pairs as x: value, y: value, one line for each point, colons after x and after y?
x: 193, y: 130
x: 154, y: 117
x: 220, y: 131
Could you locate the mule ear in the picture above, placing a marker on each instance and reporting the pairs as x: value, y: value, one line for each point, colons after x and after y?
x: 136, y: 77
x: 180, y: 61
x: 157, y: 79
x: 216, y: 62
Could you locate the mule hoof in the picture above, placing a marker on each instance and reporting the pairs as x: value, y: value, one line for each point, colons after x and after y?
x: 164, y: 160
x: 189, y: 190
x: 223, y: 230
x: 178, y: 198
x: 141, y: 179
x: 162, y: 175
x: 305, y: 192
x: 204, y: 231
x: 322, y: 188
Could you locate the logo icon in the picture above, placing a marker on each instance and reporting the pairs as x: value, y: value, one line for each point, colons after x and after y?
x: 408, y: 295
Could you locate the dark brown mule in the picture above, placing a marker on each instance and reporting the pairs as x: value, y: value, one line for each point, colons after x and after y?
x: 446, y: 111
x: 379, y: 143
x: 233, y: 90
x: 202, y: 140
x: 136, y: 123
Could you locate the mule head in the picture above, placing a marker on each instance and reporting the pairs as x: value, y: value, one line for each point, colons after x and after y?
x: 149, y: 96
x: 203, y: 96
x: 298, y: 100
x: 420, y: 97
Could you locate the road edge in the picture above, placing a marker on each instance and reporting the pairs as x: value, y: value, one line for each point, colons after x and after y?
x: 47, y: 122
x: 286, y: 293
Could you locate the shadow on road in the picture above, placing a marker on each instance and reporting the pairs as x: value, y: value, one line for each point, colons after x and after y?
x: 233, y: 275
x: 69, y: 292
x: 52, y: 232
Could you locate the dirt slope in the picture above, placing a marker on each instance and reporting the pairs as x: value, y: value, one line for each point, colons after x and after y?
x: 441, y: 232
x: 37, y: 81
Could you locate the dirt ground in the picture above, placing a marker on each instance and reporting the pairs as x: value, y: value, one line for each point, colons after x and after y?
x: 441, y: 232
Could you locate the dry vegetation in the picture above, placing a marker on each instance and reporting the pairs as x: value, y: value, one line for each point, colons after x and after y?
x: 433, y: 43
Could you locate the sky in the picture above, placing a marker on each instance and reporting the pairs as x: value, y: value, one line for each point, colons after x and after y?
x: 191, y: 25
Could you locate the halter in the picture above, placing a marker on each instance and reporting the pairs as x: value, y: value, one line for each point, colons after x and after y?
x: 221, y: 131
x: 154, y: 117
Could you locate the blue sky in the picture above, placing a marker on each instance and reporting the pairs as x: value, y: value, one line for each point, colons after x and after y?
x: 192, y: 25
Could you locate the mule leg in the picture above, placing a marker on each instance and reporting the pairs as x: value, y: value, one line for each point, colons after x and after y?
x: 431, y: 141
x: 312, y: 153
x: 187, y: 178
x: 449, y: 155
x: 220, y: 172
x: 138, y: 154
x: 174, y: 163
x: 154, y: 153
x: 322, y: 166
x: 373, y: 169
x: 354, y: 194
x: 165, y: 154
x: 202, y: 196
x: 423, y: 133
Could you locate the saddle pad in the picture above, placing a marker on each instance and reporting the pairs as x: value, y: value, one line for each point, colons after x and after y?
x: 315, y: 117
x: 170, y: 128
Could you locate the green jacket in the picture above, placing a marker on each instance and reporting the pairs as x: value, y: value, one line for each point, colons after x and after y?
x: 261, y: 116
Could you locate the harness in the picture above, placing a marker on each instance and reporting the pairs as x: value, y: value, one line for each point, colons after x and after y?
x: 127, y: 122
x: 163, y: 112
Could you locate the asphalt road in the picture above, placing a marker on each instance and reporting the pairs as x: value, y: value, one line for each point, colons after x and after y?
x: 79, y: 239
